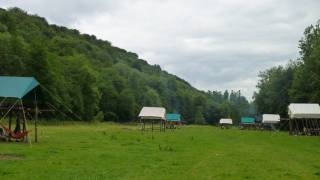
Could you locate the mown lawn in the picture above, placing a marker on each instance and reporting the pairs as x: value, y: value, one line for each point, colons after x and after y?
x: 111, y: 151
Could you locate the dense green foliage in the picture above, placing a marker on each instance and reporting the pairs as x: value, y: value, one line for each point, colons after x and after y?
x: 110, y: 151
x: 97, y: 80
x: 299, y: 82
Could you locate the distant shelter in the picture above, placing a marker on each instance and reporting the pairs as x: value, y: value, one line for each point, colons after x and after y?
x: 304, y: 119
x: 173, y: 120
x: 152, y: 116
x: 225, y: 122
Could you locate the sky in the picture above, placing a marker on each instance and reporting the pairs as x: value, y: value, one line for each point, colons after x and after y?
x: 213, y: 44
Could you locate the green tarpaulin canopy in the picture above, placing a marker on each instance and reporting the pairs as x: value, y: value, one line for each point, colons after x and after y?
x: 173, y: 117
x: 247, y: 120
x: 16, y: 87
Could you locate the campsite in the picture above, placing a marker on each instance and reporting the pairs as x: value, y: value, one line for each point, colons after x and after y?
x: 121, y: 90
x: 113, y: 151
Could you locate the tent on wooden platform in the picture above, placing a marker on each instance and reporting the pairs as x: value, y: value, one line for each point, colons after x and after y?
x: 173, y: 120
x: 270, y: 121
x: 248, y: 123
x: 13, y: 89
x: 304, y: 119
x: 152, y: 115
x: 270, y: 118
x: 225, y: 122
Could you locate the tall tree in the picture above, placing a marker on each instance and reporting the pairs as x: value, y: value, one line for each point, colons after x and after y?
x: 306, y: 84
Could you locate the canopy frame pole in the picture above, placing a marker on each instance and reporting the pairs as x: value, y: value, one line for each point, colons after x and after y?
x: 57, y: 99
x: 2, y: 101
x: 8, y: 110
x: 24, y: 120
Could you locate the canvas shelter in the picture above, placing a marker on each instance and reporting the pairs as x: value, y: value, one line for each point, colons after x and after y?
x: 173, y: 120
x: 152, y: 114
x: 304, y: 111
x: 225, y: 121
x: 173, y: 117
x: 247, y: 120
x: 304, y: 118
x: 248, y: 123
x: 16, y: 88
x: 271, y: 122
x: 270, y: 118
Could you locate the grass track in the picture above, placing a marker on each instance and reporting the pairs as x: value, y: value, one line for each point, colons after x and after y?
x: 111, y: 151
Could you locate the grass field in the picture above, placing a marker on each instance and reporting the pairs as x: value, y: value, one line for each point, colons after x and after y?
x: 111, y: 151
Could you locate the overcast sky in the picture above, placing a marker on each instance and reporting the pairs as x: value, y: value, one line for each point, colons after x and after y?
x: 213, y: 44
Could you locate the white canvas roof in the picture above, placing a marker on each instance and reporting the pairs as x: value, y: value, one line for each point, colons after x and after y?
x: 153, y: 113
x: 300, y: 111
x: 225, y: 121
x: 270, y: 118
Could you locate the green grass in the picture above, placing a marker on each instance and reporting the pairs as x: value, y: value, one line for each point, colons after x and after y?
x: 111, y: 151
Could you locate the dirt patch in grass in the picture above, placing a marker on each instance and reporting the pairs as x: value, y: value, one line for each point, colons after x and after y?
x: 11, y: 157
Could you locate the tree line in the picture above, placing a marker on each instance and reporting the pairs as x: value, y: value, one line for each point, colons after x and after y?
x: 97, y: 80
x: 297, y: 82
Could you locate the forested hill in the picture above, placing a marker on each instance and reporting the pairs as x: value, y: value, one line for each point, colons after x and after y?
x: 97, y: 80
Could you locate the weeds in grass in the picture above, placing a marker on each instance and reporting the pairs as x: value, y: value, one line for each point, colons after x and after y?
x: 5, y: 173
x: 165, y: 148
x: 11, y: 156
x: 113, y: 137
x: 52, y: 151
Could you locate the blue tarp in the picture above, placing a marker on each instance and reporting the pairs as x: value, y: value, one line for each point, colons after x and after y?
x: 16, y: 87
x: 247, y: 120
x: 173, y: 117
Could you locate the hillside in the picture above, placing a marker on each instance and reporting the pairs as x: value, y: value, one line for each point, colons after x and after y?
x: 97, y: 80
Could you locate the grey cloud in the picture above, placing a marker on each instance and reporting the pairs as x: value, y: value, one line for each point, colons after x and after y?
x: 63, y: 12
x: 213, y: 44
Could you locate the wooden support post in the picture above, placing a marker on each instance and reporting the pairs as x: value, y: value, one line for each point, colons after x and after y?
x: 317, y: 126
x: 296, y: 126
x: 36, y: 125
x: 290, y: 126
x: 142, y: 124
x: 36, y: 118
x: 309, y: 127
